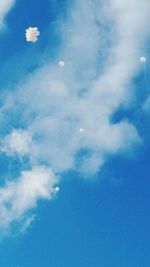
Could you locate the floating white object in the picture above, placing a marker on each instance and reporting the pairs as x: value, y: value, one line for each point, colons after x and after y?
x: 57, y: 189
x: 81, y: 130
x: 32, y: 34
x: 61, y: 63
x: 142, y: 59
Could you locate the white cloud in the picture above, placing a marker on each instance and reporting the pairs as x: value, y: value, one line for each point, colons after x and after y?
x: 5, y: 6
x: 27, y: 223
x: 18, y: 142
x: 103, y: 41
x: 89, y: 91
x: 19, y: 196
x: 146, y: 105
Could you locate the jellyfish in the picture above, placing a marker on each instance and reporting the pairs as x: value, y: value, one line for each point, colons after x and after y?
x: 32, y: 34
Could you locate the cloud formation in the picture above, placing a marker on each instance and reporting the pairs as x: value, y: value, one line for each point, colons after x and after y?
x: 5, y: 6
x: 19, y: 196
x: 146, y: 105
x: 18, y: 142
x: 102, y: 45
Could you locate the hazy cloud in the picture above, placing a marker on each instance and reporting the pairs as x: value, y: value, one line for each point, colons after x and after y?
x: 18, y: 142
x: 5, y: 6
x: 19, y: 196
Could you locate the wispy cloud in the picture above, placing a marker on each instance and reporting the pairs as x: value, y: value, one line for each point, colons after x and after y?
x: 18, y: 142
x: 19, y: 196
x: 5, y: 6
x: 101, y: 47
x: 146, y: 105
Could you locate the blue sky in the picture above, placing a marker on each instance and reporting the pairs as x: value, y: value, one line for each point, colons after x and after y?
x: 83, y: 128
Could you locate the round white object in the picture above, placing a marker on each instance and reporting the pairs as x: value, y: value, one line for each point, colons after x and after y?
x: 57, y: 189
x: 61, y: 63
x: 142, y: 59
x: 81, y: 130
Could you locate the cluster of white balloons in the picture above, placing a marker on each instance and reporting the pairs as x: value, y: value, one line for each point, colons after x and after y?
x: 32, y: 34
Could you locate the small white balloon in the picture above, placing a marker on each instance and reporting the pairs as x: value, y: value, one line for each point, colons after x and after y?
x: 142, y: 59
x: 61, y: 63
x: 57, y: 189
x: 32, y: 34
x: 81, y: 130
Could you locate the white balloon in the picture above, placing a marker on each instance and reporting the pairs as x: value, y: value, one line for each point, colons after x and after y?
x: 32, y: 34
x: 142, y: 59
x: 57, y: 189
x: 81, y: 130
x: 61, y: 63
